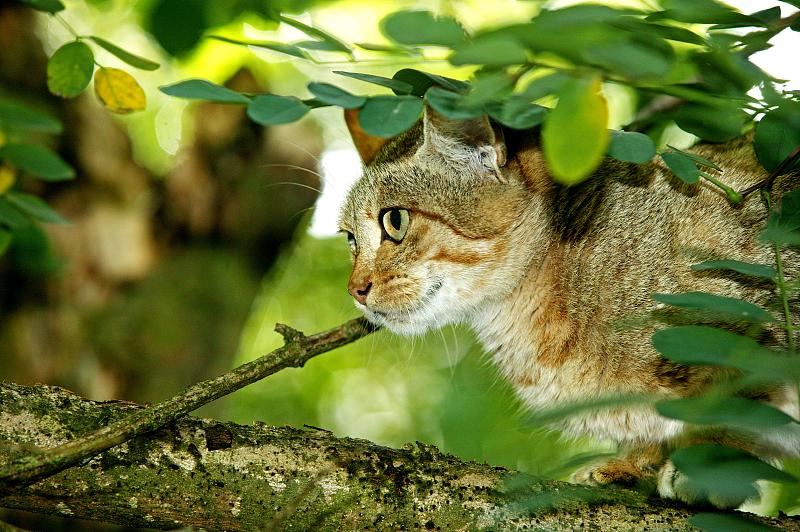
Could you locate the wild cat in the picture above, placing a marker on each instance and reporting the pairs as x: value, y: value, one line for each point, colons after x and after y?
x: 459, y: 221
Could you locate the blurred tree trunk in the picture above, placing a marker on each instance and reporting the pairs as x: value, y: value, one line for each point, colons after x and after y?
x: 204, y: 473
x: 156, y: 274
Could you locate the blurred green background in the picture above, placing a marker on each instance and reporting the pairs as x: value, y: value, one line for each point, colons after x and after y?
x: 194, y: 231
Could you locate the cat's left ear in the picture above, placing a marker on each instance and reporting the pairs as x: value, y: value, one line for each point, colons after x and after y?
x: 476, y: 139
x: 367, y: 145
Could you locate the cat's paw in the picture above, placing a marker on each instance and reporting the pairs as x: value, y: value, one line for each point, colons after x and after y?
x: 672, y: 484
x: 611, y: 472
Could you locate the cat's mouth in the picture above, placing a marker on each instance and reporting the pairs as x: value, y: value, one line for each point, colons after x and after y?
x: 408, y: 320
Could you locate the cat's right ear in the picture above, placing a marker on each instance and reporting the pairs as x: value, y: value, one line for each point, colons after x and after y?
x: 367, y: 145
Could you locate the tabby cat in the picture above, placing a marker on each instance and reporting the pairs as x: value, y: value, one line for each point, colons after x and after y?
x: 459, y: 221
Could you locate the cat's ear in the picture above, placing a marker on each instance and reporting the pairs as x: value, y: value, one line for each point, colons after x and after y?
x: 367, y: 145
x: 459, y: 139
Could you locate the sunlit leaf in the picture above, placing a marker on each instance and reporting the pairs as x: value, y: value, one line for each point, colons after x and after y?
x: 681, y: 166
x: 778, y: 135
x: 489, y: 52
x: 422, y: 27
x: 201, y: 89
x: 421, y: 81
x: 387, y: 116
x: 701, y: 12
x: 670, y: 33
x: 271, y: 109
x: 574, y: 136
x: 699, y: 344
x: 14, y: 115
x: 333, y: 95
x: 451, y: 104
x: 711, y: 123
x: 10, y: 215
x: 132, y: 59
x: 70, y: 69
x: 712, y: 522
x: 275, y: 46
x: 8, y: 176
x: 745, y: 268
x: 5, y: 240
x: 736, y: 308
x: 118, y: 91
x: 725, y: 471
x: 724, y: 410
x: 48, y: 6
x: 634, y: 58
x: 399, y: 87
x: 322, y: 46
x: 631, y: 147
x: 488, y: 87
x: 332, y: 41
x: 517, y: 112
x: 35, y: 207
x: 37, y: 160
x: 390, y: 49
x: 545, y: 85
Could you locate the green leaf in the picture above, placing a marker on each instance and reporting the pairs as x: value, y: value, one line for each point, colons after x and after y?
x: 711, y: 123
x: 670, y: 33
x: 784, y: 221
x: 132, y: 59
x: 701, y: 12
x: 778, y: 135
x: 332, y: 41
x: 451, y: 104
x: 271, y: 109
x: 399, y: 87
x: 387, y: 116
x: 682, y: 166
x: 35, y: 207
x: 14, y: 115
x: 736, y: 308
x: 745, y: 268
x: 696, y: 158
x: 37, y: 160
x: 48, y: 6
x: 390, y: 49
x: 421, y: 27
x: 631, y: 147
x: 5, y: 240
x: 635, y: 58
x: 545, y: 85
x: 422, y: 81
x: 543, y: 417
x: 201, y: 89
x: 712, y: 522
x: 333, y: 95
x: 70, y: 69
x: 517, y: 112
x: 488, y: 87
x: 322, y: 46
x: 699, y: 344
x: 725, y: 471
x: 724, y: 410
x: 10, y: 215
x: 492, y: 51
x: 279, y: 47
x: 575, y: 135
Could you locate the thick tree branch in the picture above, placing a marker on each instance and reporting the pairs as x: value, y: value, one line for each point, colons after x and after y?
x: 216, y: 476
x: 297, y: 350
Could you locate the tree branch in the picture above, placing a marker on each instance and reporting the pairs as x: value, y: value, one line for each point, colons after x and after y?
x: 203, y: 473
x: 296, y: 351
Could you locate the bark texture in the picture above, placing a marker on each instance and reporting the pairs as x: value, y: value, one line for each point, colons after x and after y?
x: 215, y: 475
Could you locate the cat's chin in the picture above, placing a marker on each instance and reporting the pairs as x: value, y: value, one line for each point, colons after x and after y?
x: 404, y: 324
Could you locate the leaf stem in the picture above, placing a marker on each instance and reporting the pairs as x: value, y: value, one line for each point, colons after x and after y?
x: 781, y: 282
x: 66, y: 25
x: 733, y: 196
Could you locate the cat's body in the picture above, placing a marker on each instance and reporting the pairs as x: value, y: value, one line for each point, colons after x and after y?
x: 551, y: 277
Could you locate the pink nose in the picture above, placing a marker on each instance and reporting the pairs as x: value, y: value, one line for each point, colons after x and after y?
x: 359, y: 289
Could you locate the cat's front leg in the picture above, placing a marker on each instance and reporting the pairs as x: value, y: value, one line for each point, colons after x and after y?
x: 636, y: 463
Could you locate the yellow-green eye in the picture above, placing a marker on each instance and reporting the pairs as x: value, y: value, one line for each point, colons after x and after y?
x: 395, y: 223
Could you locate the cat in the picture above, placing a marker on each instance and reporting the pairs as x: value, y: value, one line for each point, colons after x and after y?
x: 459, y: 221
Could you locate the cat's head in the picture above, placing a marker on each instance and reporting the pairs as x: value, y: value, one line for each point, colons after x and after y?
x: 434, y: 224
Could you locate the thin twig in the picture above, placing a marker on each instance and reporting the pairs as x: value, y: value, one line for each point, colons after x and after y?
x: 766, y: 184
x: 296, y: 351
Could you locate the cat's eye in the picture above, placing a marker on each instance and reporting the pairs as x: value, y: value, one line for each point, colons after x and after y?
x: 395, y: 223
x: 351, y: 241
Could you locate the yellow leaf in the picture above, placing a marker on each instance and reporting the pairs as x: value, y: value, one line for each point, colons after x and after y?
x: 118, y: 91
x: 7, y: 178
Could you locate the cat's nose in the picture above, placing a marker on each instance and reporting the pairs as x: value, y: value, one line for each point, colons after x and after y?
x: 359, y: 289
